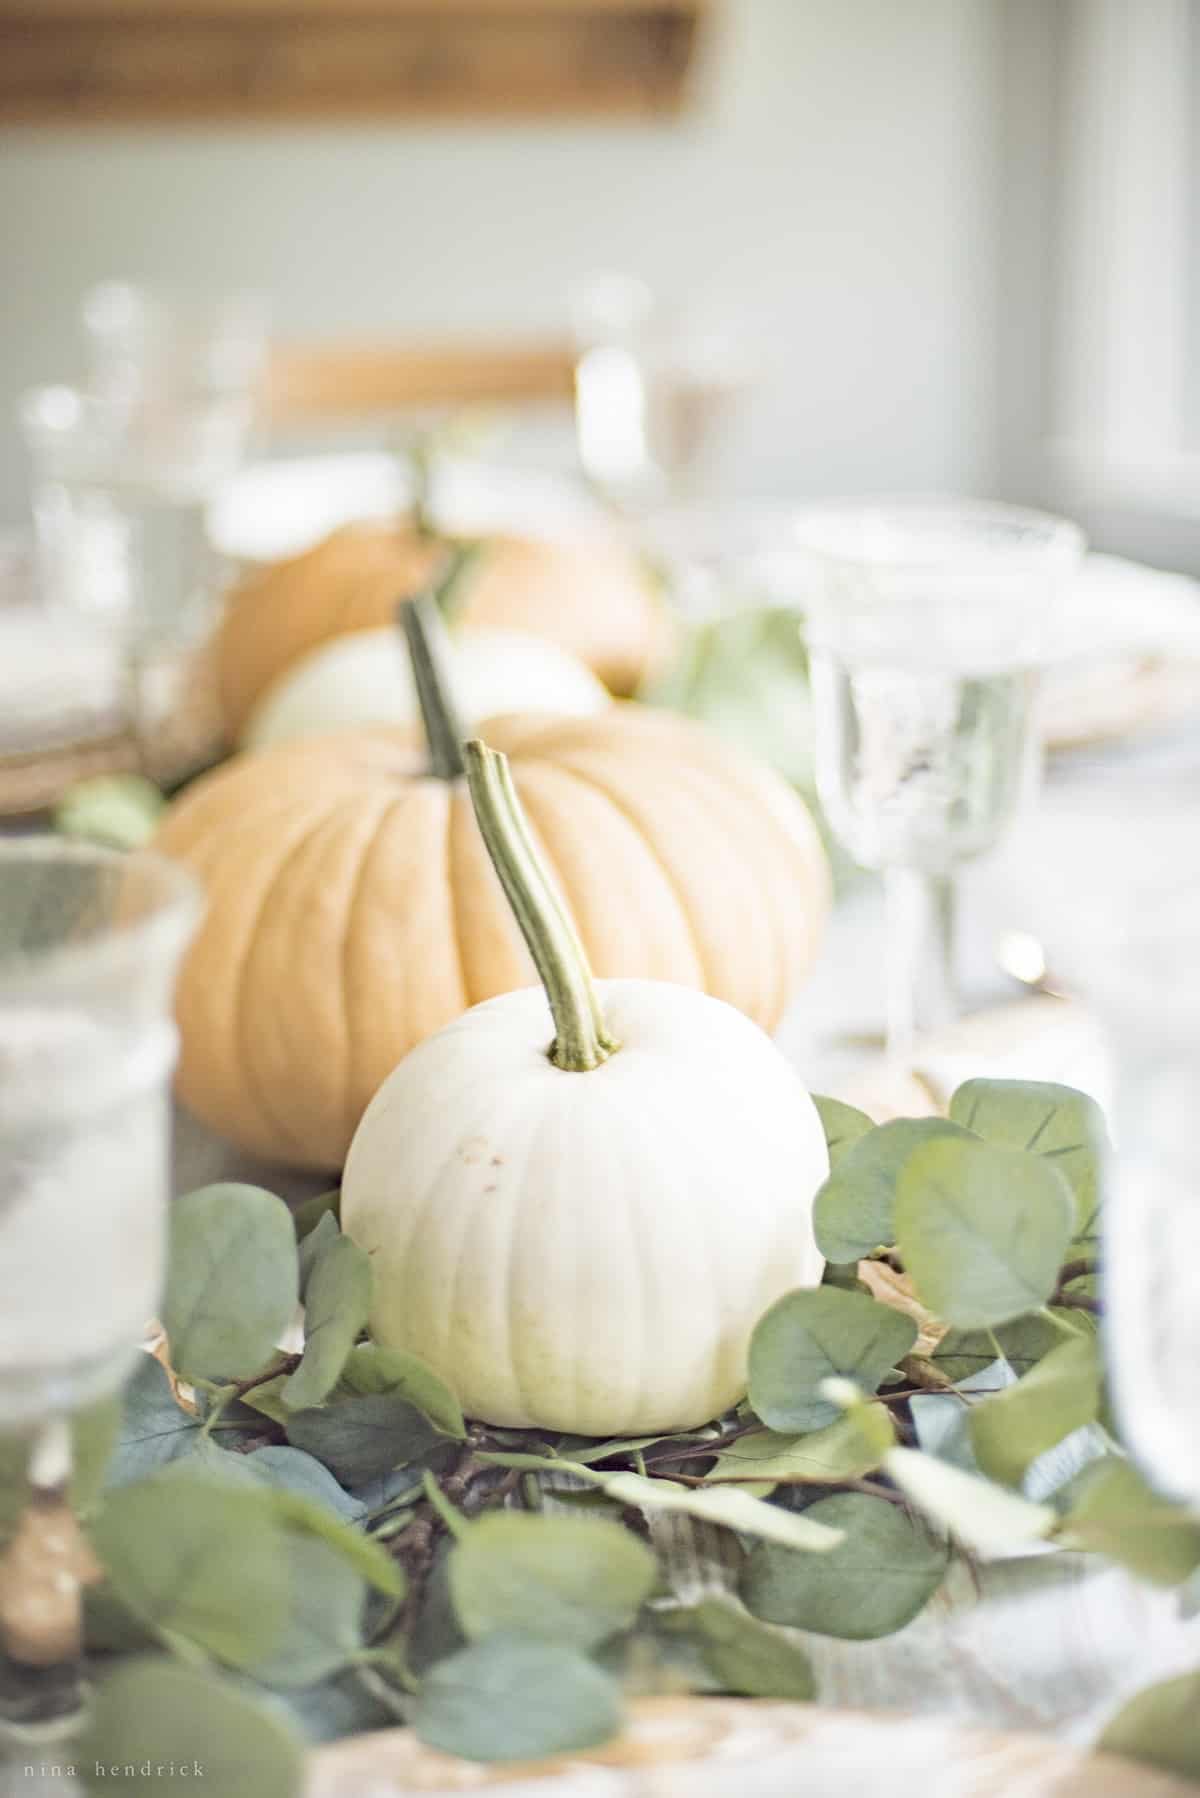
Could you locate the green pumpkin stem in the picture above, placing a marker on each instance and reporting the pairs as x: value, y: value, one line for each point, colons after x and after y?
x: 581, y: 1039
x: 428, y: 652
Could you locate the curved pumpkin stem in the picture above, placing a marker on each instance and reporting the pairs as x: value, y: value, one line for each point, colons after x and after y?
x: 428, y: 652
x: 581, y: 1039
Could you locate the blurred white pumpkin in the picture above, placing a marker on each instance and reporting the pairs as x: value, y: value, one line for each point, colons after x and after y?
x: 364, y: 678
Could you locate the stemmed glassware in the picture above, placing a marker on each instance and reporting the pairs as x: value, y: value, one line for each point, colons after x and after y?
x: 89, y: 944
x: 126, y: 466
x: 1116, y: 902
x: 925, y: 623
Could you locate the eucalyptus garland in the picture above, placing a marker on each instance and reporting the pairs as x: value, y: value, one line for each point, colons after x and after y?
x: 302, y: 1545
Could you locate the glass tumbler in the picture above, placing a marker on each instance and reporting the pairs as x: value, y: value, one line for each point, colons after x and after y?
x: 925, y: 624
x: 89, y: 944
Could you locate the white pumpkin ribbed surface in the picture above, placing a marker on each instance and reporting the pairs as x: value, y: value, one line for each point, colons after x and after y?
x: 364, y: 678
x: 587, y: 1252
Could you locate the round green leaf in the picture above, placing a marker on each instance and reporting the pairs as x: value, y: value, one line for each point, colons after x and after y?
x: 981, y: 1515
x: 982, y: 1230
x: 154, y: 1430
x: 323, y: 1626
x: 885, y: 1570
x: 818, y: 1334
x: 308, y: 1214
x: 312, y: 1245
x: 231, y: 1281
x: 1061, y: 1394
x: 573, y: 1580
x: 728, y: 1507
x: 291, y: 1470
x: 513, y: 1698
x: 758, y: 1660
x: 841, y: 1451
x: 337, y: 1300
x: 1115, y: 1513
x: 195, y: 1558
x: 852, y: 1213
x: 360, y: 1438
x: 1160, y: 1727
x: 843, y: 1126
x: 373, y: 1369
x: 1057, y: 1122
x: 153, y: 1714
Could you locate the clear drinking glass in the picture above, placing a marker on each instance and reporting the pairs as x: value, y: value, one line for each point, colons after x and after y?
x: 164, y: 358
x: 1114, y: 895
x: 651, y: 391
x: 121, y: 517
x: 89, y: 944
x: 925, y: 623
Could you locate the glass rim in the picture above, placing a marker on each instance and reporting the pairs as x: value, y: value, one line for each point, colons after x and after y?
x: 1062, y: 542
x: 169, y: 919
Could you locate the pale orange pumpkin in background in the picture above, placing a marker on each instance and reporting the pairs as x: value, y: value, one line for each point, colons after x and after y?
x: 352, y: 909
x: 590, y: 595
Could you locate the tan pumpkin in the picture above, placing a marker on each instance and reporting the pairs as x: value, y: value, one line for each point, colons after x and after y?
x: 352, y: 909
x: 590, y: 596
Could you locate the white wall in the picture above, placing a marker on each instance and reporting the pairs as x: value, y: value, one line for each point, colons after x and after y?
x: 831, y: 192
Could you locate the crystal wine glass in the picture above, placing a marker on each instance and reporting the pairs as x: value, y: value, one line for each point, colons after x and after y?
x: 1117, y: 904
x: 925, y: 622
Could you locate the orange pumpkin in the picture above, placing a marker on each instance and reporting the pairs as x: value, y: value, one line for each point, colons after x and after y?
x: 591, y: 597
x: 352, y: 908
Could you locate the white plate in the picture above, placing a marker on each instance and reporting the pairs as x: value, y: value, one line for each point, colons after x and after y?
x: 275, y: 509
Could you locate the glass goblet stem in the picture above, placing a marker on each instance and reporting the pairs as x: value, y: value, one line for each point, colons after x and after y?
x: 920, y: 971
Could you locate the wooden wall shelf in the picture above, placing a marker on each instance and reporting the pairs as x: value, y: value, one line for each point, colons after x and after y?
x: 65, y: 61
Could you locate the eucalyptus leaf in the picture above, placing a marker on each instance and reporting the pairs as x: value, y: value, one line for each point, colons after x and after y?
x: 853, y: 1210
x: 323, y: 1626
x: 1064, y: 1126
x: 291, y: 1470
x: 843, y: 1126
x: 307, y: 1215
x: 982, y: 1230
x: 1057, y: 1397
x: 360, y: 1438
x: 746, y: 1656
x: 572, y: 1580
x: 268, y: 1399
x: 158, y: 1712
x: 95, y: 1432
x: 372, y: 1368
x: 338, y: 1706
x: 978, y: 1513
x: 358, y: 1550
x: 962, y: 1355
x: 197, y: 1559
x: 337, y: 1301
x: 726, y: 1506
x: 154, y: 1430
x: 231, y: 1281
x: 436, y: 1633
x: 1160, y: 1727
x: 592, y: 1452
x: 110, y: 1627
x: 1114, y: 1512
x: 812, y: 1335
x: 840, y: 1451
x: 883, y: 1571
x: 513, y: 1697
x: 312, y: 1245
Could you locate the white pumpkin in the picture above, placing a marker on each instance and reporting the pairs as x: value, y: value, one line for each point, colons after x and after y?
x: 580, y: 1234
x: 365, y: 678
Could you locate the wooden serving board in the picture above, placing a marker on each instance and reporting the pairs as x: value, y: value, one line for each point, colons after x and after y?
x: 716, y: 1747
